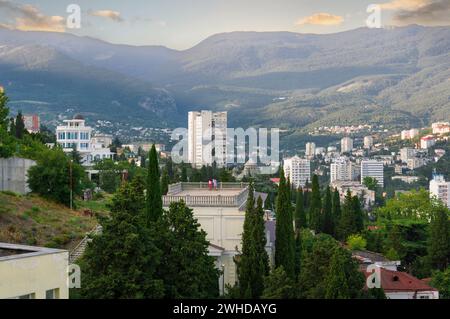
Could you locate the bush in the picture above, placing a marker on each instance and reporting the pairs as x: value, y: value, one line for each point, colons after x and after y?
x: 356, y: 242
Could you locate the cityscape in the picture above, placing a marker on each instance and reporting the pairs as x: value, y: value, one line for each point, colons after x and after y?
x: 291, y: 163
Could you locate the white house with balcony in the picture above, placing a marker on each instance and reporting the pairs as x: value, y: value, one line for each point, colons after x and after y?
x: 74, y: 134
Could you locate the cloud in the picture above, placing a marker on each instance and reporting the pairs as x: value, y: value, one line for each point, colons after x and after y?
x: 110, y: 14
x: 29, y: 18
x: 321, y: 19
x: 424, y: 12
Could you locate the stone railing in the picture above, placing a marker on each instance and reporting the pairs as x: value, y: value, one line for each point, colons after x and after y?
x: 215, y: 200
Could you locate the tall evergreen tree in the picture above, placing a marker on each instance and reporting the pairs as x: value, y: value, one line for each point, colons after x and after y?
x: 121, y: 262
x: 351, y: 217
x: 328, y: 218
x: 315, y: 208
x: 343, y: 279
x: 183, y: 177
x: 336, y: 211
x: 253, y: 264
x: 285, y: 241
x: 300, y: 214
x: 186, y: 268
x: 4, y: 111
x: 278, y: 285
x: 439, y: 239
x: 165, y: 182
x: 20, y: 126
x: 153, y: 196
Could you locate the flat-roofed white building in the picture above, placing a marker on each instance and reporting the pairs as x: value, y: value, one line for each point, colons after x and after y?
x: 368, y: 142
x: 373, y: 168
x: 207, y: 138
x: 409, y: 134
x: 342, y: 169
x: 310, y: 150
x: 28, y: 272
x: 440, y: 189
x: 76, y: 134
x: 298, y: 170
x: 346, y: 145
x: 221, y: 214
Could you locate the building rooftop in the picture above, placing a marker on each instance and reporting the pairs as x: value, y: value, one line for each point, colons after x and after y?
x: 14, y: 251
x: 199, y: 194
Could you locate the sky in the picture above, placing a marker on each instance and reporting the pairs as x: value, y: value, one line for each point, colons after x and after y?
x: 181, y: 24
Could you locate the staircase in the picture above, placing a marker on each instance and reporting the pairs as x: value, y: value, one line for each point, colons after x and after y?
x: 78, y: 251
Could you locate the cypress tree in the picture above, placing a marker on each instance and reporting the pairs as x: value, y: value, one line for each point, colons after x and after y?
x: 164, y: 182
x: 328, y: 218
x: 343, y: 279
x: 121, y: 262
x: 300, y: 214
x: 4, y: 111
x: 439, y: 239
x: 336, y: 211
x: 183, y: 173
x: 20, y: 126
x: 153, y: 196
x: 351, y: 220
x: 253, y: 264
x: 315, y: 208
x: 285, y: 241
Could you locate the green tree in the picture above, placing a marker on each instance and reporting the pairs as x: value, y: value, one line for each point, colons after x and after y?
x: 51, y: 176
x: 75, y: 155
x: 7, y: 143
x: 328, y: 217
x: 285, y: 241
x: 315, y: 208
x: 20, y: 126
x: 186, y: 268
x: 109, y: 175
x: 336, y: 210
x: 300, y: 214
x: 253, y: 264
x: 122, y: 261
x: 356, y: 242
x: 153, y: 195
x: 343, y: 279
x: 350, y: 221
x: 441, y: 281
x: 183, y: 173
x: 371, y: 183
x: 4, y: 111
x: 439, y: 239
x: 165, y: 182
x: 278, y: 285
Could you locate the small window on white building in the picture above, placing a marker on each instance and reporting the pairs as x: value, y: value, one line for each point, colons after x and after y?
x: 52, y: 294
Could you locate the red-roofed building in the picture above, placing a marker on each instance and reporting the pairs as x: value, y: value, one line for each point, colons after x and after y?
x: 400, y: 285
x: 275, y: 180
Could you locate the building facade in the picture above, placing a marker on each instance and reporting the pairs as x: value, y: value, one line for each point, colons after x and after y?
x: 374, y: 169
x: 409, y: 134
x: 427, y: 141
x: 342, y: 169
x: 74, y: 134
x: 310, y: 150
x: 298, y: 170
x: 14, y: 174
x: 346, y: 145
x: 33, y: 272
x: 32, y: 123
x: 221, y: 214
x: 368, y: 142
x: 207, y: 138
x: 440, y: 189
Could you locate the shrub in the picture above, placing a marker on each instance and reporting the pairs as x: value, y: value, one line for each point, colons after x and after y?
x: 356, y: 242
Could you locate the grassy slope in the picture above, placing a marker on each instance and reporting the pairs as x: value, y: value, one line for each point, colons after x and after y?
x: 31, y: 220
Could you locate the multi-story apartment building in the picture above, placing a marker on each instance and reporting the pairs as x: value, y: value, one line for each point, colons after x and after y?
x: 32, y: 123
x: 373, y: 168
x: 440, y: 189
x: 368, y: 142
x: 346, y: 145
x: 407, y: 153
x: 207, y: 138
x: 74, y: 134
x: 298, y: 170
x: 415, y: 162
x: 441, y: 127
x: 427, y: 141
x: 409, y: 134
x: 310, y: 151
x: 342, y: 169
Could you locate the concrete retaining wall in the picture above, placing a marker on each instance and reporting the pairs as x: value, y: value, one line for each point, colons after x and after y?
x: 13, y: 174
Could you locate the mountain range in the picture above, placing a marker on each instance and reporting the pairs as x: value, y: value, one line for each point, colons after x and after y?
x: 396, y: 77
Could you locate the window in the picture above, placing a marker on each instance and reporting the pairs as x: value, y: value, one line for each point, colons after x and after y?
x: 52, y: 294
x: 28, y: 296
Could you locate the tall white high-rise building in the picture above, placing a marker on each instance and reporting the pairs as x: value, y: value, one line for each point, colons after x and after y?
x: 310, y: 149
x: 440, y: 189
x: 407, y: 153
x: 342, y: 170
x: 368, y: 142
x: 298, y: 170
x: 207, y: 138
x: 346, y: 145
x: 373, y: 168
